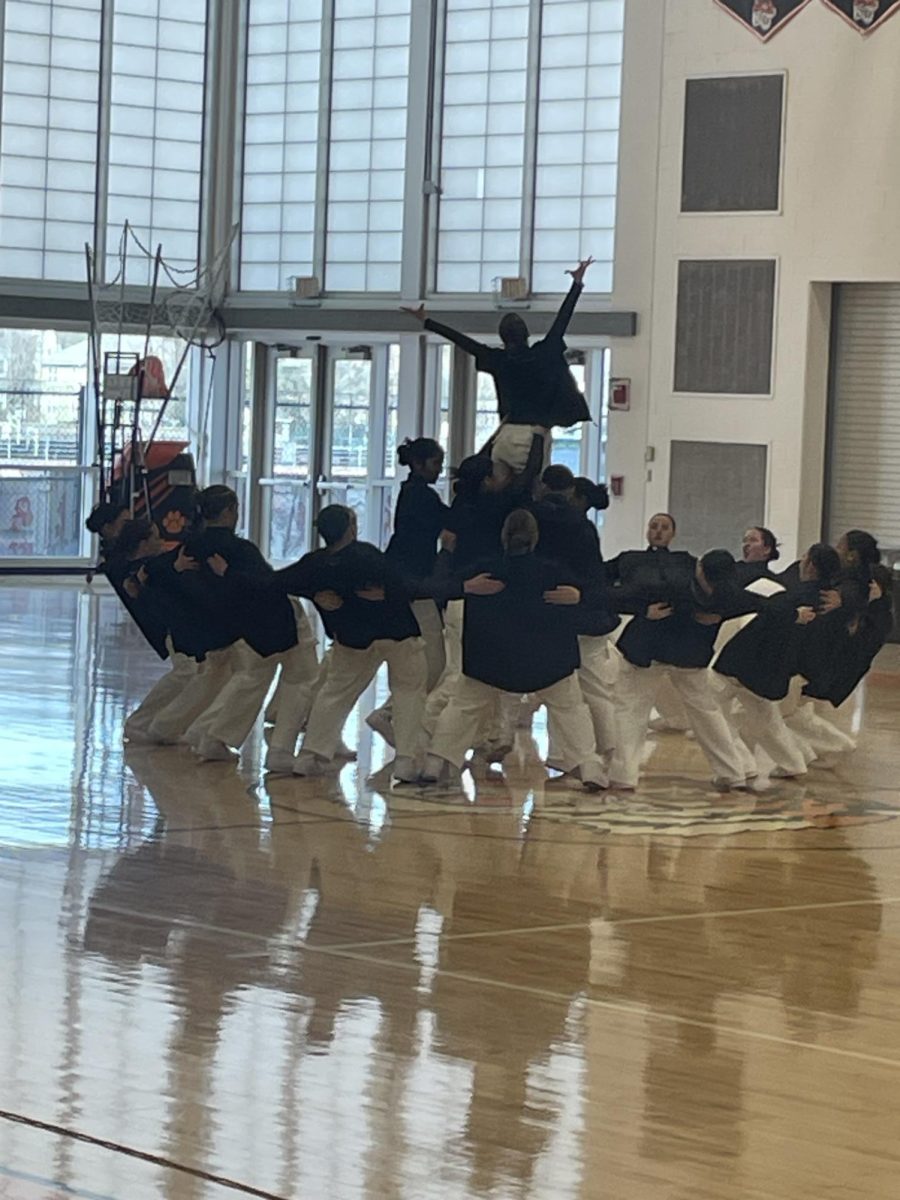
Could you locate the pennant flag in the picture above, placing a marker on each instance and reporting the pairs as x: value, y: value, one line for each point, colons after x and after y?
x: 765, y: 17
x: 864, y: 15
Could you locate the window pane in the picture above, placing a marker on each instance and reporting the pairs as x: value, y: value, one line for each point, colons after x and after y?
x: 280, y: 160
x: 42, y: 378
x: 156, y: 120
x: 577, y: 147
x: 51, y: 59
x: 368, y: 129
x: 482, y: 143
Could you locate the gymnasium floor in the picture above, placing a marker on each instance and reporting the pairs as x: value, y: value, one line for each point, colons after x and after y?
x: 213, y: 985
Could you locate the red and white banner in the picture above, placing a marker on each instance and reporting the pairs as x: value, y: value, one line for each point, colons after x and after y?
x: 864, y: 15
x: 764, y: 17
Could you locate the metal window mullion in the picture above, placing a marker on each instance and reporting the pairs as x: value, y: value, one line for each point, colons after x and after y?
x: 419, y: 113
x: 104, y: 107
x: 222, y: 107
x: 529, y: 158
x: 378, y: 409
x: 323, y: 140
x: 433, y: 162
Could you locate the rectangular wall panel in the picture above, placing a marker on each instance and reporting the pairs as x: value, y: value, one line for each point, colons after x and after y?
x: 716, y: 491
x: 724, y: 326
x: 732, y: 144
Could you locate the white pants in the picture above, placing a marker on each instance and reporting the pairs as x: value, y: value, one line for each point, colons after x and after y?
x: 232, y: 716
x: 571, y: 728
x: 760, y: 724
x: 181, y: 672
x: 512, y: 445
x: 428, y: 616
x: 814, y: 726
x: 598, y: 676
x: 439, y: 698
x: 196, y: 696
x: 635, y: 692
x: 349, y: 674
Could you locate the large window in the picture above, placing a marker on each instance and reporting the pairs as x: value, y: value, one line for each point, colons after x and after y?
x: 370, y: 67
x: 48, y: 137
x: 482, y: 144
x: 578, y: 141
x: 516, y: 157
x: 156, y: 129
x: 280, y: 141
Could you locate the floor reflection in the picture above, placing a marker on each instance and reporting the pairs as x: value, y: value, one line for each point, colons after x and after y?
x: 342, y: 989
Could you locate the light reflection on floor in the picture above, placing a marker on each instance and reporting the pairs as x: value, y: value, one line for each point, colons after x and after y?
x: 314, y: 988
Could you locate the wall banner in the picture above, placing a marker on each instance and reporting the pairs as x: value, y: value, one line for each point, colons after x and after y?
x: 864, y: 15
x: 766, y: 17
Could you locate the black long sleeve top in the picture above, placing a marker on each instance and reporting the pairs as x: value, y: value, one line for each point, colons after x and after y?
x: 357, y: 623
x: 534, y: 384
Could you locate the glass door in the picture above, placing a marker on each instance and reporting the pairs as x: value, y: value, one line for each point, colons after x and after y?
x: 360, y: 451
x: 286, y: 485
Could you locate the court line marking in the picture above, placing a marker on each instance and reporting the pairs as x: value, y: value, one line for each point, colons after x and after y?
x: 611, y: 921
x: 632, y: 1010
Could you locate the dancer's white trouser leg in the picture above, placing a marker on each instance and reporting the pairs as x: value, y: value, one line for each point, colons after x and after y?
x: 818, y: 731
x: 196, y: 697
x: 349, y: 673
x: 695, y: 688
x: 439, y: 698
x: 759, y: 723
x: 428, y: 616
x: 598, y: 675
x: 570, y: 723
x: 182, y: 670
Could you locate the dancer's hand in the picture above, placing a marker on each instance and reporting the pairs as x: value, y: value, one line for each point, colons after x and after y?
x: 705, y: 618
x: 829, y: 600
x: 563, y: 595
x: 419, y: 313
x: 217, y: 564
x: 483, y: 585
x: 579, y: 271
x: 131, y: 587
x: 142, y: 576
x: 448, y: 540
x: 374, y: 592
x: 184, y: 562
x: 659, y: 612
x: 805, y: 614
x: 876, y: 591
x: 328, y: 601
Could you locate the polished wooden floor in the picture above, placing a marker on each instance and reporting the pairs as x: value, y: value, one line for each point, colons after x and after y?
x: 213, y: 984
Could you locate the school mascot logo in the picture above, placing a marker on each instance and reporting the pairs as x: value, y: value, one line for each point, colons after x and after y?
x: 763, y: 17
x: 864, y: 15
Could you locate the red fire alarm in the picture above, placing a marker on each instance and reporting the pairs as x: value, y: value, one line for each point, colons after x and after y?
x: 619, y: 395
x: 617, y: 484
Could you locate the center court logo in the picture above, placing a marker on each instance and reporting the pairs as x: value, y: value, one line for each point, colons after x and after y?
x: 696, y: 816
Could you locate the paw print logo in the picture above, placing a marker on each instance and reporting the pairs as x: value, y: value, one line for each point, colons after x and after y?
x: 174, y: 522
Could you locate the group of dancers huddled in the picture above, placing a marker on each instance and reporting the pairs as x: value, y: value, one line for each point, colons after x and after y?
x: 490, y: 607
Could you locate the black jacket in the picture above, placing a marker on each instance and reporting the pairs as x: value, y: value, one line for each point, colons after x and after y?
x: 681, y: 640
x: 515, y: 640
x: 765, y: 655
x: 148, y: 617
x: 643, y: 577
x: 749, y: 572
x: 833, y: 668
x: 419, y: 517
x: 568, y: 538
x: 534, y: 384
x: 190, y: 605
x: 357, y: 623
x: 266, y: 621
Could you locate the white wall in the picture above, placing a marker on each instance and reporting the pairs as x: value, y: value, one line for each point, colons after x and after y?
x: 840, y: 221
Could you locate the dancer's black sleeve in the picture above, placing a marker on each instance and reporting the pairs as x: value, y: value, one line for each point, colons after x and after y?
x: 564, y: 316
x: 479, y: 350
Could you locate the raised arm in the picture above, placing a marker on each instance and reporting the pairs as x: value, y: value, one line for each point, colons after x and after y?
x: 470, y: 345
x: 567, y: 308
